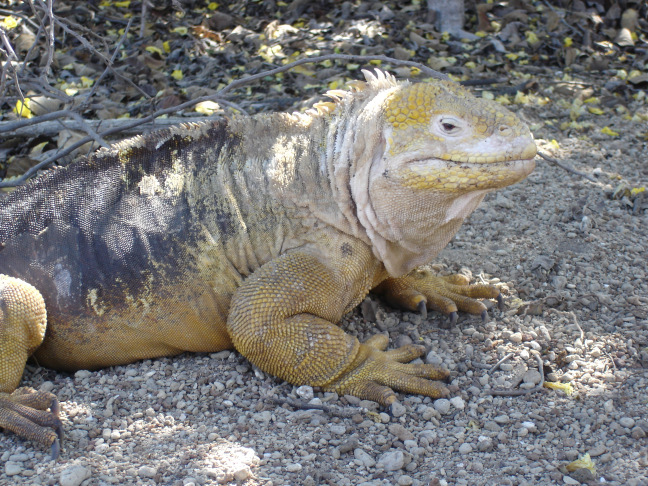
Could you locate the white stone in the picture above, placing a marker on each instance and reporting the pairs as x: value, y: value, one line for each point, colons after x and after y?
x: 465, y: 448
x: 366, y: 460
x: 13, y: 468
x: 442, y: 405
x: 458, y: 402
x: 146, y: 472
x: 74, y: 475
x: 392, y: 460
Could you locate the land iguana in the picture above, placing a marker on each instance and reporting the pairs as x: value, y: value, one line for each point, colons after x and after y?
x: 254, y: 233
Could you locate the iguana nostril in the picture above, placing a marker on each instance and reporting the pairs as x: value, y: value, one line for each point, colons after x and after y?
x: 505, y: 130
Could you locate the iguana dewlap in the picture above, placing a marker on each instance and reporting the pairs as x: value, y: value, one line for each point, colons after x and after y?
x: 257, y: 233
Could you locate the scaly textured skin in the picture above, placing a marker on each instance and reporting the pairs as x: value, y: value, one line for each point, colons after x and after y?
x: 254, y: 233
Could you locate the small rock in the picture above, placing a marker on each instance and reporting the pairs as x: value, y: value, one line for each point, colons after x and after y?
x: 516, y: 337
x: 442, y: 405
x: 81, y: 374
x: 637, y: 433
x: 532, y: 376
x: 405, y: 480
x: 401, y: 432
x: 349, y: 444
x: 13, y: 468
x: 337, y: 429
x: 295, y: 467
x: 146, y: 472
x: 627, y: 422
x: 458, y: 403
x: 485, y: 445
x: 569, y: 480
x: 502, y: 419
x: 305, y: 392
x: 465, y: 448
x: 397, y: 409
x: 243, y: 474
x: 74, y: 475
x: 366, y: 460
x: 597, y: 450
x: 392, y: 460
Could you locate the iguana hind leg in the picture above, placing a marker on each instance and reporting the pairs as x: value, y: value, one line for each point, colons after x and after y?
x: 421, y: 289
x: 23, y: 321
x: 283, y: 320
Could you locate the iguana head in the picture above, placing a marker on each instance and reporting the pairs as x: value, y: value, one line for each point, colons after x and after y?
x: 427, y: 153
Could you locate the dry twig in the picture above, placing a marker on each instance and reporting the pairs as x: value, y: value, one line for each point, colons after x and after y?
x: 521, y: 391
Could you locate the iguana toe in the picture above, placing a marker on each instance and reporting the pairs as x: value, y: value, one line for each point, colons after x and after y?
x: 25, y: 412
x: 376, y: 375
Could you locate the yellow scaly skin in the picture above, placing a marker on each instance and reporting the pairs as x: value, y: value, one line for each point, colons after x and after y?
x: 255, y: 233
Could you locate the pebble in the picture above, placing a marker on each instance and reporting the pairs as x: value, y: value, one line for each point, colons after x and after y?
x: 74, y: 475
x: 405, y: 480
x: 362, y: 456
x: 532, y: 377
x: 516, y: 337
x: 485, y: 445
x: 597, y: 450
x: 392, y: 460
x: 502, y: 419
x: 337, y: 429
x: 305, y: 392
x: 398, y: 409
x: 569, y: 480
x: 465, y: 448
x: 147, y: 472
x: 442, y: 405
x: 458, y: 403
x: 401, y: 432
x: 294, y: 467
x: 637, y: 433
x: 13, y: 468
x: 627, y: 422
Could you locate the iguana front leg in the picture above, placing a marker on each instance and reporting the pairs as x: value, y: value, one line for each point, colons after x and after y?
x: 22, y: 329
x: 420, y: 290
x: 283, y: 319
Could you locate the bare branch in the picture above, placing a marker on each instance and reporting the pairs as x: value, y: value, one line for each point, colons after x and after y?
x: 567, y: 168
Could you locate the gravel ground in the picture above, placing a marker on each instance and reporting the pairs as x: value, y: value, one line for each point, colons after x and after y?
x: 571, y: 261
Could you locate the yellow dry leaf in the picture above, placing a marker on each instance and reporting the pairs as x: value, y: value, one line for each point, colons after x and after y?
x: 166, y: 46
x: 512, y: 56
x: 71, y: 91
x: 503, y: 99
x: 124, y: 3
x: 481, y: 33
x: 374, y: 416
x: 592, y: 100
x: 9, y: 22
x: 609, y: 131
x: 521, y: 98
x: 554, y: 144
x: 180, y: 30
x: 414, y: 71
x: 207, y: 107
x: 375, y: 62
x: 177, y: 74
x: 38, y: 149
x: 565, y: 387
x: 154, y: 50
x: 636, y: 190
x: 213, y: 6
x: 86, y: 82
x: 595, y: 111
x: 470, y: 65
x: 335, y: 84
x: 487, y: 95
x: 531, y: 37
x: 568, y: 41
x: 22, y: 108
x: 352, y: 66
x: 583, y: 462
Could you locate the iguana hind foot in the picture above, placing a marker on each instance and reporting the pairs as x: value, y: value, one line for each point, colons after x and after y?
x: 421, y: 290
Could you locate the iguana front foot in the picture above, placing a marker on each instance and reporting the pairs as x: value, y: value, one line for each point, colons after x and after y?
x: 375, y: 373
x: 421, y: 290
x: 25, y: 412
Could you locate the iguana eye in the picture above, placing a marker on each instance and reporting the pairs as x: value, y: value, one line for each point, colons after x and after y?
x: 449, y: 126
